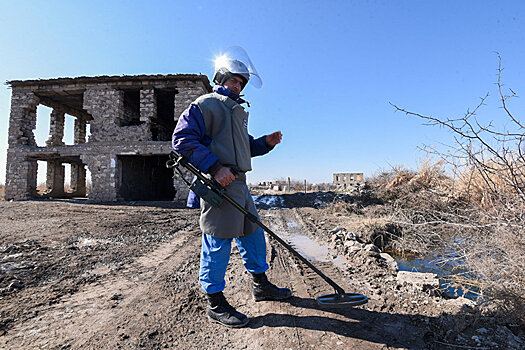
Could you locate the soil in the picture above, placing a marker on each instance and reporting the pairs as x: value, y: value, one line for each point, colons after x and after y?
x: 78, y: 275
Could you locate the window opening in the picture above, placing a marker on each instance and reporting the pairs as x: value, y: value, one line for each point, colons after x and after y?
x: 67, y: 177
x: 89, y: 183
x: 88, y: 131
x: 41, y: 130
x: 41, y: 177
x: 162, y: 129
x: 69, y: 130
x: 131, y: 108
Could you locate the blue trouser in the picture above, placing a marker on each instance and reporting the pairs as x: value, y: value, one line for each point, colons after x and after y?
x: 215, y: 255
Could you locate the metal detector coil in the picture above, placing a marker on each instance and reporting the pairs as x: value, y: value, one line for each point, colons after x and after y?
x: 341, y: 300
x: 212, y: 192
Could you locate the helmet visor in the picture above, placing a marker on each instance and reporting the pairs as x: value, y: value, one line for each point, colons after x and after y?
x: 236, y: 60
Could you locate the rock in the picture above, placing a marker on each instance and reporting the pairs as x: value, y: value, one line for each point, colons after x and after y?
x: 418, y: 280
x: 482, y: 331
x: 335, y: 238
x: 350, y: 250
x: 461, y: 303
x: 352, y: 244
x: 476, y: 339
x: 461, y: 340
x: 390, y: 261
x: 116, y: 297
x: 351, y: 236
x: 512, y: 341
x: 372, y: 254
x: 14, y: 285
x: 371, y: 248
x: 336, y: 230
x: 153, y: 334
x: 9, y: 249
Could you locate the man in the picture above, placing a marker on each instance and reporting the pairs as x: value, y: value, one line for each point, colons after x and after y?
x: 213, y: 134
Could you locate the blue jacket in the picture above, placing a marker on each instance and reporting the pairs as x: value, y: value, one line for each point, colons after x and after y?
x: 189, y: 138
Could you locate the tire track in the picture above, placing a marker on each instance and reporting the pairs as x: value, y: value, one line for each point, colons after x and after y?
x: 302, y: 321
x: 82, y: 319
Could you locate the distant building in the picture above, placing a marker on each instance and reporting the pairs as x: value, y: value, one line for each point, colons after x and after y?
x: 346, y: 180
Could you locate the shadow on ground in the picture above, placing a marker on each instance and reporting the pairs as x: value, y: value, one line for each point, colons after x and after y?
x: 406, y: 331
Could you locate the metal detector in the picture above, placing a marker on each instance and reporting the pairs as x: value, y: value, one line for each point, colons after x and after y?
x: 212, y: 192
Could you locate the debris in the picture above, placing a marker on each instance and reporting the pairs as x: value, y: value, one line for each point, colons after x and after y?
x: 390, y: 261
x: 116, y: 297
x: 14, y: 285
x: 423, y: 281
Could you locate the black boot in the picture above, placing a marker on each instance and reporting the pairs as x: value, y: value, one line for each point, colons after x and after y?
x: 265, y: 290
x: 220, y: 311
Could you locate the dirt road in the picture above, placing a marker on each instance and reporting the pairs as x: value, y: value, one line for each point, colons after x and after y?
x: 87, y: 276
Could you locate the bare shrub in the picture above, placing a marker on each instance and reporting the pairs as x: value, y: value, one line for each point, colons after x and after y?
x: 422, y: 210
x: 485, y: 202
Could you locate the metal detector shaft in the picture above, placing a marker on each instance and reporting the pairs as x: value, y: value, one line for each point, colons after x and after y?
x: 180, y: 159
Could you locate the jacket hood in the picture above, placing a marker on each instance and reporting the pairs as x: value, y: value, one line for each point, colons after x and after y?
x: 225, y: 92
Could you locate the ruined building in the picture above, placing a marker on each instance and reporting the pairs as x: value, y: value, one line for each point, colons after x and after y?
x: 345, y: 180
x: 130, y: 120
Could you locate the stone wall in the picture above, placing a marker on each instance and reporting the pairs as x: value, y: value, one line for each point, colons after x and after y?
x: 22, y: 120
x: 56, y: 128
x: 21, y: 176
x: 80, y: 131
x: 103, y: 176
x: 185, y: 97
x: 148, y: 105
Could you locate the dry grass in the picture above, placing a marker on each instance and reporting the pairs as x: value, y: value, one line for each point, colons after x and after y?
x: 483, y: 201
x: 487, y: 185
x: 484, y: 223
x: 2, y: 192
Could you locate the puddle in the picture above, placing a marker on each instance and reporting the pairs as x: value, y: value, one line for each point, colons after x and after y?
x: 434, y: 263
x: 310, y: 249
x: 314, y: 251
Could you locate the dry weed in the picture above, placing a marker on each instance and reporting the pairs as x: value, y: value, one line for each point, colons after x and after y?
x: 486, y: 205
x: 425, y: 210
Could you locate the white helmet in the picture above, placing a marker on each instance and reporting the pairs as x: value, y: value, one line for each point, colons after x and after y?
x: 235, y: 62
x: 226, y: 67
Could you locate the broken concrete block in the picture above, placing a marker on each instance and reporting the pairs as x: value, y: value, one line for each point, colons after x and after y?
x: 423, y: 281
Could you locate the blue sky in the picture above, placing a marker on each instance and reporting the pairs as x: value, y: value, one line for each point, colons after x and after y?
x: 329, y: 68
